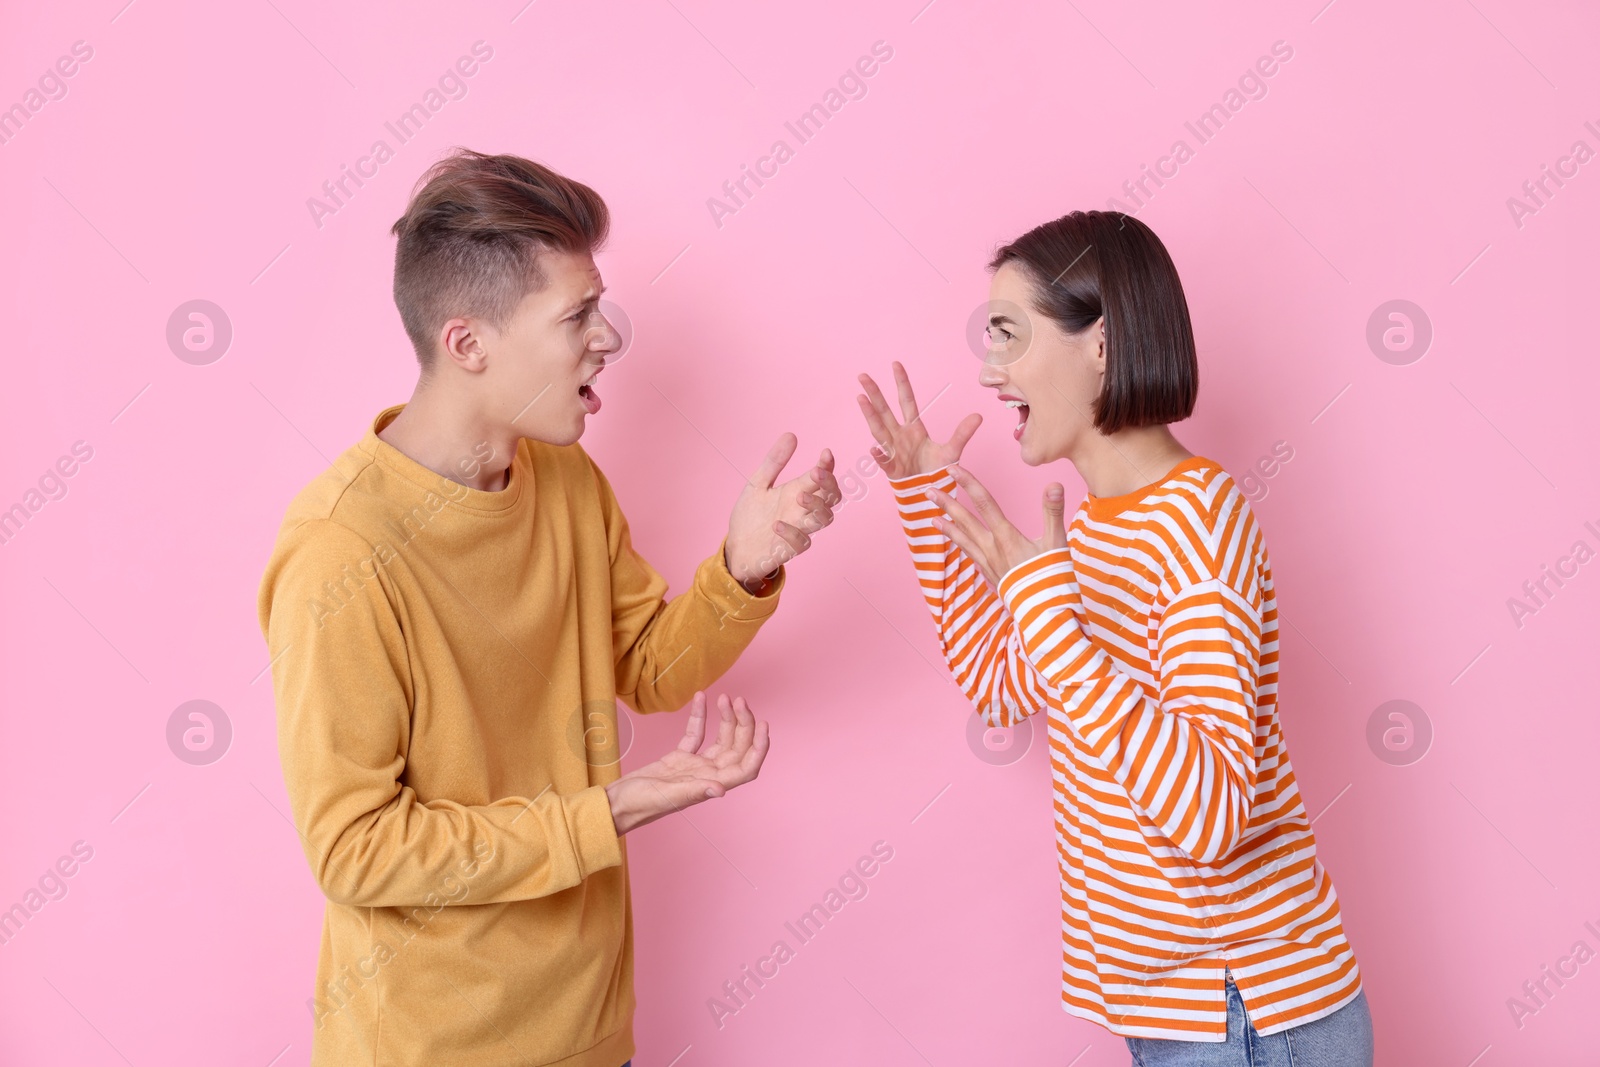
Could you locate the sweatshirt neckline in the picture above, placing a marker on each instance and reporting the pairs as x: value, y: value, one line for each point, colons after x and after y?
x: 428, y: 479
x: 1106, y: 507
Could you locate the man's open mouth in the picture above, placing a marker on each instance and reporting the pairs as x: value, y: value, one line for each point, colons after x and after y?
x: 590, y: 398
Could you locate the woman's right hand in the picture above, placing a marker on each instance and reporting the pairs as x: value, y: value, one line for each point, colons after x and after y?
x: 906, y: 449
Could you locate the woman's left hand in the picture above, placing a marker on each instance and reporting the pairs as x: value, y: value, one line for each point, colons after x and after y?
x: 988, y: 537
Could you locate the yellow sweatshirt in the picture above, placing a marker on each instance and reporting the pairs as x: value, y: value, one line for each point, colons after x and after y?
x: 446, y: 662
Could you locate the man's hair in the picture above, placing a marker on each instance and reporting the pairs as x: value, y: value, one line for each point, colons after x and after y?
x: 471, y: 237
x: 1092, y: 263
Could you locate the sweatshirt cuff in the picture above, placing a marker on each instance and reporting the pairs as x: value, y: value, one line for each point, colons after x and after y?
x: 718, y: 583
x: 593, y: 830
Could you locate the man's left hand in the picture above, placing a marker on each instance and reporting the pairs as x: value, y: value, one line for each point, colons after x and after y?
x: 771, y: 524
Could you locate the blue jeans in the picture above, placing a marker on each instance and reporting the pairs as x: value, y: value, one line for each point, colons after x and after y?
x: 1343, y: 1039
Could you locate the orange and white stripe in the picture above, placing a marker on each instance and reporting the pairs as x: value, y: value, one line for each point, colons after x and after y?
x: 1151, y: 641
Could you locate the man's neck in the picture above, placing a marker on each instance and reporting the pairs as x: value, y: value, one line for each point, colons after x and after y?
x: 450, y: 439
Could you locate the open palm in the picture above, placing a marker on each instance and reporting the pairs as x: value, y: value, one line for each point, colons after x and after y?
x: 906, y: 448
x: 687, y: 776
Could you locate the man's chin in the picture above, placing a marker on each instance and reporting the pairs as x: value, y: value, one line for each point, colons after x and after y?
x: 550, y: 435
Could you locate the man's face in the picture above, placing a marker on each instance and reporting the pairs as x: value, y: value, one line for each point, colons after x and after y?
x: 543, y: 363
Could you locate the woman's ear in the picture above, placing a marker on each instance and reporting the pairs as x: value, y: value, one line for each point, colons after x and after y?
x: 1097, y: 335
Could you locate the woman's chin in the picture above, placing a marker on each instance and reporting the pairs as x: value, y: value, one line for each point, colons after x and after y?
x: 1035, y: 454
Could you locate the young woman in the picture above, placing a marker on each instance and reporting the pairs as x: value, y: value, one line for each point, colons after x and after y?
x: 1197, y: 922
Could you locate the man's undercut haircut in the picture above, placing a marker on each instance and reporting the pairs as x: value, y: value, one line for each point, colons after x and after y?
x: 471, y: 237
x: 1092, y: 263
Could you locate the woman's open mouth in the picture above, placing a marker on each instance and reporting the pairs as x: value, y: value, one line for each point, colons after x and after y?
x: 1022, y: 415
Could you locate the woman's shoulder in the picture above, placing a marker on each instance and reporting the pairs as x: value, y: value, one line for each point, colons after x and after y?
x: 1224, y: 539
x: 1204, y: 490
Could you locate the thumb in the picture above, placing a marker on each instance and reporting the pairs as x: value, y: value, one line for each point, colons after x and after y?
x: 695, y: 791
x: 777, y: 458
x: 673, y: 796
x: 964, y: 431
x: 1055, y: 507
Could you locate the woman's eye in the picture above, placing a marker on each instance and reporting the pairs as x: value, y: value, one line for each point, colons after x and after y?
x: 997, y: 335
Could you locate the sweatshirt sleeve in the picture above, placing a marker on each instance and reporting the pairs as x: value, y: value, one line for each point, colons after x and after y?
x: 666, y: 650
x: 1187, y: 758
x: 343, y: 687
x: 977, y: 633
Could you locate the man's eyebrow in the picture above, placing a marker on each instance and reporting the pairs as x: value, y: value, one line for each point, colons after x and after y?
x: 588, y: 298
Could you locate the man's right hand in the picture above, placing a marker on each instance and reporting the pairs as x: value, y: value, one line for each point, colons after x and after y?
x: 685, y: 776
x: 904, y: 450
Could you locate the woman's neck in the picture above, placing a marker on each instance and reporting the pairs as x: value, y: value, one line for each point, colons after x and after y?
x: 1119, y: 463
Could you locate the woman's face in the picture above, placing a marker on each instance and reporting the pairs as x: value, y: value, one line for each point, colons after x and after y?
x: 1050, y: 377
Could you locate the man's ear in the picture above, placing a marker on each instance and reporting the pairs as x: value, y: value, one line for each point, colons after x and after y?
x: 463, y: 344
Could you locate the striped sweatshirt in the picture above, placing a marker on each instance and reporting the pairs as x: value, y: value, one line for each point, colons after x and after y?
x: 1151, y: 644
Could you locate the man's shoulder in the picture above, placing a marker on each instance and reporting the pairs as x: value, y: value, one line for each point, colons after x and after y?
x: 336, y: 494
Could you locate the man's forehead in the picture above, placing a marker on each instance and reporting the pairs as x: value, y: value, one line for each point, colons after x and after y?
x: 571, y: 276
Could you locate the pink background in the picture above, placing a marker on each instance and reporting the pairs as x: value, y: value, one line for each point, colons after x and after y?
x: 1418, y: 500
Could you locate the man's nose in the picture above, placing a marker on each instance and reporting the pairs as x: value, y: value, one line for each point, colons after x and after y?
x: 600, y: 337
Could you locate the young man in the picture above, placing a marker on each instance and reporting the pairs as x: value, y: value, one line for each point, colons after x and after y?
x: 452, y: 611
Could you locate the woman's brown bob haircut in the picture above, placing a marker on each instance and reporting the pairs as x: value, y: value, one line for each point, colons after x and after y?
x: 1093, y: 263
x: 471, y: 237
